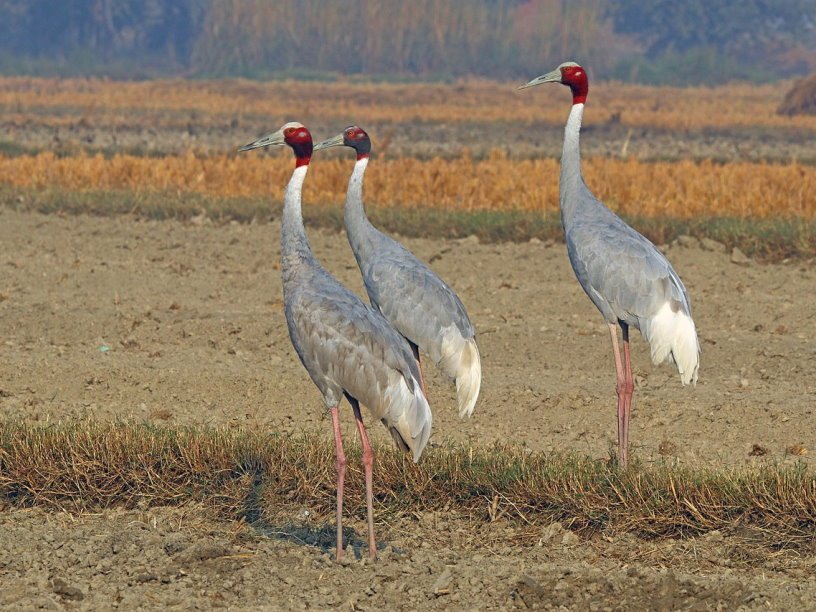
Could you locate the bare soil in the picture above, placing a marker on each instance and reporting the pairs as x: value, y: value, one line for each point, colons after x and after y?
x: 179, y: 559
x: 114, y: 318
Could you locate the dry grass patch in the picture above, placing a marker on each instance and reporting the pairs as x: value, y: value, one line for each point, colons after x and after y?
x: 766, y: 239
x: 160, y: 104
x: 683, y: 189
x: 92, y: 465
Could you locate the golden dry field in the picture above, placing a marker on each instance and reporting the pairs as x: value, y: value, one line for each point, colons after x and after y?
x: 689, y: 126
x: 164, y: 103
x: 685, y: 189
x: 674, y: 158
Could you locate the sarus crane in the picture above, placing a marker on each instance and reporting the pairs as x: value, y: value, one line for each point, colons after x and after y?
x: 348, y: 348
x: 627, y: 278
x: 419, y: 304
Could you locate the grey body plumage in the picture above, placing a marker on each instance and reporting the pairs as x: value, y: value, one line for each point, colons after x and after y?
x: 623, y: 273
x: 348, y: 347
x: 419, y: 304
x: 345, y: 345
x: 411, y: 296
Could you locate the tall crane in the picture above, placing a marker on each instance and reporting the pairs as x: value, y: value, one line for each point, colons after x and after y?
x: 348, y: 348
x: 627, y: 278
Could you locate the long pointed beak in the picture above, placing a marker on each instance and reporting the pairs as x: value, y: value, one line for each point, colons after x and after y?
x: 335, y: 141
x: 550, y: 77
x: 276, y: 138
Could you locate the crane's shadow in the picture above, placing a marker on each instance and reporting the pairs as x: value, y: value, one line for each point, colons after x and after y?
x: 321, y: 536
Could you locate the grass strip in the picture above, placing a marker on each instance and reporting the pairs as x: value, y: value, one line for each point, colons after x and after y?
x: 769, y: 240
x: 88, y: 465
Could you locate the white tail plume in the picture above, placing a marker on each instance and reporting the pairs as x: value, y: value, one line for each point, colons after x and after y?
x: 461, y: 361
x: 672, y: 337
x: 408, y: 417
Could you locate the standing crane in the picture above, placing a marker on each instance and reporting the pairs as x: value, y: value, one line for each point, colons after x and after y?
x: 416, y: 301
x: 627, y: 278
x: 348, y: 348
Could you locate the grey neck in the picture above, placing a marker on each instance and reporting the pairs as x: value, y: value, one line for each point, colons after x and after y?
x: 295, y: 249
x: 358, y: 227
x: 572, y: 188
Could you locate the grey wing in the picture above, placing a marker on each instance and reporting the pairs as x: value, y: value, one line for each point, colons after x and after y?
x: 348, y: 347
x: 412, y: 297
x: 346, y: 342
x: 623, y: 273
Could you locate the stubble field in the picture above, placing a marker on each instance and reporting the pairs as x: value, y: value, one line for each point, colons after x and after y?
x: 177, y: 323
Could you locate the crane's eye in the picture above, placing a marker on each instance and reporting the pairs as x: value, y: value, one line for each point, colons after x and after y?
x: 349, y: 132
x: 289, y: 131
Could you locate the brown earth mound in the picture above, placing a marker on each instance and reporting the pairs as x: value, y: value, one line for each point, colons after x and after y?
x: 801, y: 99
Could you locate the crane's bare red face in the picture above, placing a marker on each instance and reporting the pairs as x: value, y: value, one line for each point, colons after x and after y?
x: 299, y: 138
x: 574, y: 77
x: 296, y: 135
x: 354, y: 134
x: 356, y: 138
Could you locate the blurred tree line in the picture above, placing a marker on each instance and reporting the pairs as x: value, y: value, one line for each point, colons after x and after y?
x: 745, y: 39
x: 127, y: 38
x: 652, y: 40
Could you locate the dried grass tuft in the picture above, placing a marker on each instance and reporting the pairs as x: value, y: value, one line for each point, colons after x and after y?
x: 250, y: 475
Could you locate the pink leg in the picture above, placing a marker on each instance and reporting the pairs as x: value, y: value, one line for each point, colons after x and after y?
x: 623, y: 422
x: 340, y: 466
x: 628, y: 383
x: 368, y: 467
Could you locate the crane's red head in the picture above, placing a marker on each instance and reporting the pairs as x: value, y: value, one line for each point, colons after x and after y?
x: 354, y: 137
x: 574, y: 76
x: 293, y: 134
x: 570, y: 74
x: 298, y: 137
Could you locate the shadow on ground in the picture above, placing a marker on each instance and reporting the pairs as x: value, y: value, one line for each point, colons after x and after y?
x: 319, y: 536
